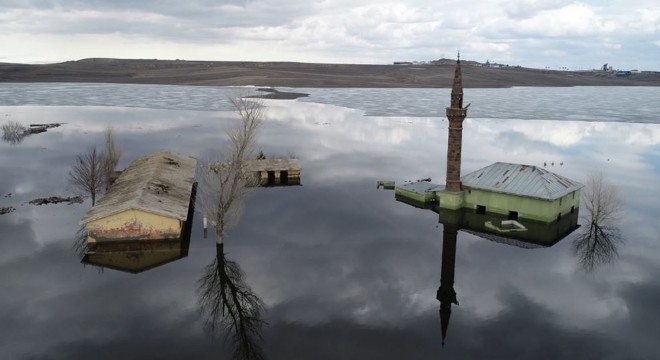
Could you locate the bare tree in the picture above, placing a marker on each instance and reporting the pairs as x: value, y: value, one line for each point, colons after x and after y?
x: 87, y: 173
x: 225, y: 178
x: 112, y: 154
x: 13, y: 132
x: 226, y: 301
x: 600, y: 238
x: 229, y: 305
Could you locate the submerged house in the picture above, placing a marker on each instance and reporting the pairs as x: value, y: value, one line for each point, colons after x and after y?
x: 515, y: 190
x: 152, y: 199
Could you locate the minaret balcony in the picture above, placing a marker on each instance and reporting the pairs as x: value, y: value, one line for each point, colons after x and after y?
x: 456, y: 112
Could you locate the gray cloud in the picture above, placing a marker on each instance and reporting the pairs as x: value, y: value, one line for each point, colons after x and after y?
x: 528, y: 33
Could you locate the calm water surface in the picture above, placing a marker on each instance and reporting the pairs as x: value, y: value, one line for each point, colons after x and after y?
x: 344, y: 270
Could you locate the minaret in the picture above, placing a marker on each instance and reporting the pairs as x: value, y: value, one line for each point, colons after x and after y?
x: 446, y: 293
x: 456, y: 114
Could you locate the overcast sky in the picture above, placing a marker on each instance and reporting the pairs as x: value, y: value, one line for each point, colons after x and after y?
x: 535, y: 33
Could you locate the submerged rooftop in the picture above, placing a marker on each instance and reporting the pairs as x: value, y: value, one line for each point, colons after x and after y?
x: 522, y: 180
x: 160, y: 183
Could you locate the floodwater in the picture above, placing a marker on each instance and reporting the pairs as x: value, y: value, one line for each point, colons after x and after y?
x: 342, y: 268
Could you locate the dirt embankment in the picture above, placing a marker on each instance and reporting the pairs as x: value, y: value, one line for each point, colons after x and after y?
x: 291, y: 74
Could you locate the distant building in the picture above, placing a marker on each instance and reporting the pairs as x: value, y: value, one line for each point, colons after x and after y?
x: 152, y: 199
x: 403, y: 63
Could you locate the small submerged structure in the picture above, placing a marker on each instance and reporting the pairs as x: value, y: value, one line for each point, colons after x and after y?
x: 152, y: 199
x: 515, y: 190
x: 276, y: 172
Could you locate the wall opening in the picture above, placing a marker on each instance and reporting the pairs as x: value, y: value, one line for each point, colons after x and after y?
x: 558, y: 216
x: 572, y: 209
x: 513, y: 215
x: 481, y: 209
x: 284, y: 177
x: 271, y: 177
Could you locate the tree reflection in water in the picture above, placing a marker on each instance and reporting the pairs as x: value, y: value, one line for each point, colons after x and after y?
x: 226, y: 302
x: 598, y: 242
x: 230, y: 306
x: 80, y: 241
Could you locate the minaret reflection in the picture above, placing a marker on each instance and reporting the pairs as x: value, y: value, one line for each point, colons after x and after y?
x: 446, y: 293
x: 489, y: 227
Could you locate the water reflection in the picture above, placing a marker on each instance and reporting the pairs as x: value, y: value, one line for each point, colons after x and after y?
x: 14, y: 132
x: 345, y: 235
x: 536, y: 235
x: 136, y: 256
x: 229, y: 305
x: 598, y: 243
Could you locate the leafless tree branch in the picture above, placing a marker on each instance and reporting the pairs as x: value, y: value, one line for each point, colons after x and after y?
x: 86, y: 174
x: 224, y: 178
x: 112, y: 154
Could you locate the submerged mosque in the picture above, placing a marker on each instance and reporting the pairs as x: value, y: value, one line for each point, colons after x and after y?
x: 513, y: 204
x: 514, y: 190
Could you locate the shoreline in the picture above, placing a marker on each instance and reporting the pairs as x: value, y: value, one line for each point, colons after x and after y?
x: 309, y: 75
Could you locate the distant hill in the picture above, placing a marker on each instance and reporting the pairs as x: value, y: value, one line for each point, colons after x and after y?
x: 292, y: 74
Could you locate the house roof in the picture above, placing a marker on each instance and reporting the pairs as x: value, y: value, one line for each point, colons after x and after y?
x: 522, y: 180
x: 159, y: 183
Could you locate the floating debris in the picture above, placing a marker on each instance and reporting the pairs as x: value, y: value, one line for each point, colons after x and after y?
x: 7, y: 210
x: 57, y: 200
x: 8, y: 195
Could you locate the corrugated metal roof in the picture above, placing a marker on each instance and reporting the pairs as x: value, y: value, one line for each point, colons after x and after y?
x: 159, y: 183
x: 523, y: 180
x: 273, y: 165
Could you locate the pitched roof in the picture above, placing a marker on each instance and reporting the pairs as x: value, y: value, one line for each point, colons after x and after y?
x: 522, y: 180
x: 159, y: 183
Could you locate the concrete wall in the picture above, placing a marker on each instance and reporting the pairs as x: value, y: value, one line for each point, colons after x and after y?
x: 528, y: 208
x: 413, y: 196
x: 133, y: 225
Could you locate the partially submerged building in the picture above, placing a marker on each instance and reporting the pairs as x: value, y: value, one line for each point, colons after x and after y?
x: 276, y: 172
x: 152, y: 199
x: 515, y: 190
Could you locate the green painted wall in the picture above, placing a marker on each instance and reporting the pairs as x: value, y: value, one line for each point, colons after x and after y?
x: 528, y: 208
x: 423, y: 198
x: 451, y: 200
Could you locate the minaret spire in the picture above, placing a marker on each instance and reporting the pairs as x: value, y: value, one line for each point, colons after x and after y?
x: 456, y: 113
